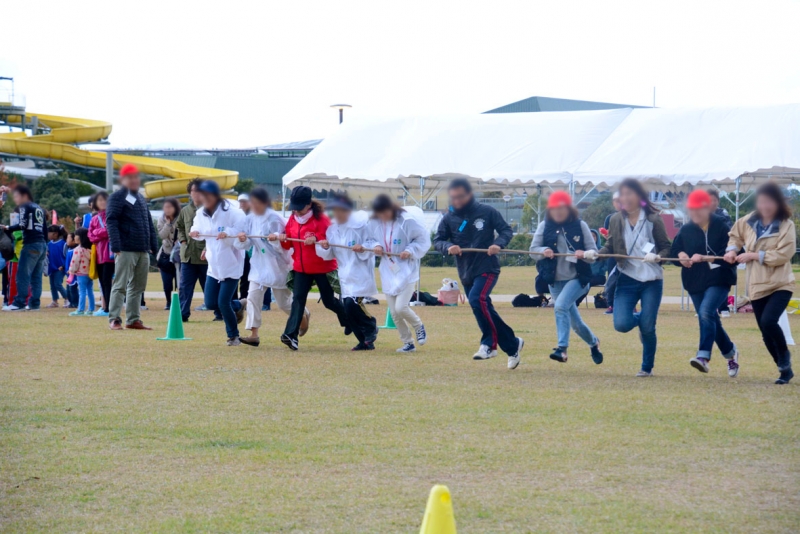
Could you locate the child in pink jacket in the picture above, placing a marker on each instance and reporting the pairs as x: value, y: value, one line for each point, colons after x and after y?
x: 79, y: 268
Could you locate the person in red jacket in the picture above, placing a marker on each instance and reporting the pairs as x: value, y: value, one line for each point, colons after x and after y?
x: 309, y: 223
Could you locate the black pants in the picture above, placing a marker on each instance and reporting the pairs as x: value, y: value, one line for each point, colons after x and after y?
x: 244, y: 283
x: 768, y: 310
x: 105, y: 273
x: 5, y: 285
x: 302, y: 285
x: 364, y: 325
x: 169, y: 281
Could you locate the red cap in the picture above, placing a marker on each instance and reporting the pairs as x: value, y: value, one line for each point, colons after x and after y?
x: 698, y: 199
x: 128, y: 168
x: 558, y: 199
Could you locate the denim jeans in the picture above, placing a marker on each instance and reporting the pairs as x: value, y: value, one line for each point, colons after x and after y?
x: 629, y: 292
x: 494, y: 331
x: 57, y: 285
x: 29, y: 275
x: 707, y: 305
x: 85, y: 294
x: 191, y: 273
x: 565, y: 293
x: 219, y: 296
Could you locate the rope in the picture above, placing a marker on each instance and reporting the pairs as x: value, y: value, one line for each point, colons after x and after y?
x: 483, y: 250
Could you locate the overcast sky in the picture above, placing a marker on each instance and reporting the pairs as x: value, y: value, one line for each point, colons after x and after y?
x: 236, y: 74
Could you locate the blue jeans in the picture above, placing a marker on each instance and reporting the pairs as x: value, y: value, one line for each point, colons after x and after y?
x: 29, y: 275
x: 57, y: 285
x: 85, y: 293
x: 565, y: 293
x: 494, y: 331
x: 629, y: 292
x: 191, y: 273
x: 219, y: 296
x: 707, y: 305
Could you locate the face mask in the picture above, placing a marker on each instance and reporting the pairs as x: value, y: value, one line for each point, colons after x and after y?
x: 302, y: 219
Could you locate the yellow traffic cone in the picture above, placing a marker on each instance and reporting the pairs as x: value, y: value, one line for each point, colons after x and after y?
x: 439, y: 518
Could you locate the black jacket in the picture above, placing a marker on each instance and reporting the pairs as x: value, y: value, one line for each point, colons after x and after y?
x: 32, y: 223
x: 130, y: 226
x: 691, y: 239
x: 473, y: 226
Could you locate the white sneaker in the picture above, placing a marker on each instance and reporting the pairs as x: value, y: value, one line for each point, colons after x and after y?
x: 644, y: 374
x: 733, y: 364
x: 422, y: 335
x: 701, y: 364
x: 513, y: 361
x: 11, y: 307
x: 484, y: 353
x: 725, y: 313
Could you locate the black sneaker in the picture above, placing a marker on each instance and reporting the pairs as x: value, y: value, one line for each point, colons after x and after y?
x: 785, y: 377
x: 348, y: 330
x: 364, y: 346
x: 597, y: 356
x: 289, y: 342
x: 215, y: 319
x: 559, y: 354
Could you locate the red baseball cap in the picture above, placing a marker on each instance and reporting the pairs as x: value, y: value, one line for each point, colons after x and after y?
x: 559, y: 199
x: 128, y: 168
x: 698, y: 199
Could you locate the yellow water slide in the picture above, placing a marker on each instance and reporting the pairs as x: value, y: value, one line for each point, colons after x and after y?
x: 67, y: 131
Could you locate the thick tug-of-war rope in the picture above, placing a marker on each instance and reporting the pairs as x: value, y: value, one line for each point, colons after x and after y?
x: 485, y: 251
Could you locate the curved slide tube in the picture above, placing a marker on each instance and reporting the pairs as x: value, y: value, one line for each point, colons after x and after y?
x: 65, y: 131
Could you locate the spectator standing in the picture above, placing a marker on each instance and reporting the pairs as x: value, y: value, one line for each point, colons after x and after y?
x: 33, y: 254
x: 168, y: 232
x: 98, y: 234
x: 133, y: 238
x: 56, y: 264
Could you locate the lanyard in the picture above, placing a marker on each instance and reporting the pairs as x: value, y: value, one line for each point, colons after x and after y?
x: 636, y: 237
x: 388, y: 244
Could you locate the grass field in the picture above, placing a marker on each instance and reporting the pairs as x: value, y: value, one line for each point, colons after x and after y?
x: 103, y: 431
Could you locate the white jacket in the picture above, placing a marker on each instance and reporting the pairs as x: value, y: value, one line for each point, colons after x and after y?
x: 224, y: 260
x: 269, y: 263
x: 404, y: 234
x: 356, y: 270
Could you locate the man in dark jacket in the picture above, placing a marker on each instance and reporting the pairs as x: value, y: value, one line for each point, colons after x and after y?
x: 470, y: 224
x: 132, y: 237
x: 34, y: 249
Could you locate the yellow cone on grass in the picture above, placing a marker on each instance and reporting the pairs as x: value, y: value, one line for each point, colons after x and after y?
x: 439, y: 518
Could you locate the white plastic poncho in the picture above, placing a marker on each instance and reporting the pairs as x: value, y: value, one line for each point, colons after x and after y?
x: 356, y: 270
x: 269, y: 263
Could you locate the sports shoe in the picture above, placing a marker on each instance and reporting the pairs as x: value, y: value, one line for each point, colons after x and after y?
x: 240, y: 313
x: 101, y: 313
x: 217, y: 319
x: 733, y: 364
x: 785, y: 377
x: 408, y: 347
x: 67, y: 304
x: 513, y: 361
x: 559, y: 354
x: 233, y: 342
x: 422, y: 336
x: 253, y: 341
x: 609, y: 311
x: 166, y: 308
x: 725, y: 313
x: 597, y: 356
x: 89, y: 313
x: 53, y: 304
x: 644, y: 374
x: 76, y: 313
x: 289, y: 341
x: 484, y: 353
x: 363, y: 346
x: 304, y: 323
x: 701, y: 364
x: 116, y: 324
x: 12, y: 308
x: 145, y: 308
x: 202, y: 307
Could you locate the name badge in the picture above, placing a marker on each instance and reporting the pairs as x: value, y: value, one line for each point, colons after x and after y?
x: 713, y: 266
x: 571, y: 259
x: 131, y: 199
x: 648, y: 248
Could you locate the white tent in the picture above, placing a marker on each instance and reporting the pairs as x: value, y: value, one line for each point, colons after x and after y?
x: 679, y: 148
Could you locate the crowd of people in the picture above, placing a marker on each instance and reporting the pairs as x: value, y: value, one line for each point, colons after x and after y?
x: 245, y: 254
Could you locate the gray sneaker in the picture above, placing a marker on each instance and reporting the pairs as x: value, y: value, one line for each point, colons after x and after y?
x: 644, y: 374
x: 513, y: 361
x: 234, y: 342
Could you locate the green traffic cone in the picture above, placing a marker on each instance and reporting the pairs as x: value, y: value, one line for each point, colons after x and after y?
x: 175, y: 324
x: 389, y: 321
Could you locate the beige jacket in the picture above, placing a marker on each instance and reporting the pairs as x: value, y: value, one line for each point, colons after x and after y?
x: 774, y: 271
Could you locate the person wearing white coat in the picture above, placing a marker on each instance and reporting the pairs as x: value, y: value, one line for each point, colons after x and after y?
x: 269, y: 263
x: 225, y: 262
x: 356, y: 269
x: 393, y: 229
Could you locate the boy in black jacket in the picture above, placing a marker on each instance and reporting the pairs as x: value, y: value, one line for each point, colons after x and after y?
x: 706, y: 282
x: 469, y: 224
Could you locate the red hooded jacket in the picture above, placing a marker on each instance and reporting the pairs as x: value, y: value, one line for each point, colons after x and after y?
x: 305, y: 256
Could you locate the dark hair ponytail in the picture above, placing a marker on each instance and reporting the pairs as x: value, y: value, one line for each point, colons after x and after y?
x: 384, y: 203
x: 644, y: 199
x: 261, y: 194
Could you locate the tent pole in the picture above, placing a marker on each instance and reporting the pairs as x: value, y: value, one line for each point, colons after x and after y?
x: 283, y: 202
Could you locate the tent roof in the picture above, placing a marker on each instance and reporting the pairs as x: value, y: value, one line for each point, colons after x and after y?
x: 546, y: 103
x: 505, y: 151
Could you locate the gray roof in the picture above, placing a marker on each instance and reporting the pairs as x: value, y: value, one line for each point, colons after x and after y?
x: 544, y: 103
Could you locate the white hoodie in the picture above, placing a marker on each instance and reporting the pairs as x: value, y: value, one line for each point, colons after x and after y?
x: 269, y: 263
x: 356, y: 270
x: 224, y: 260
x: 404, y: 234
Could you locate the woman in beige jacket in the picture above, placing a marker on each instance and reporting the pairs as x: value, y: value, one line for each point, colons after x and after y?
x: 768, y: 237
